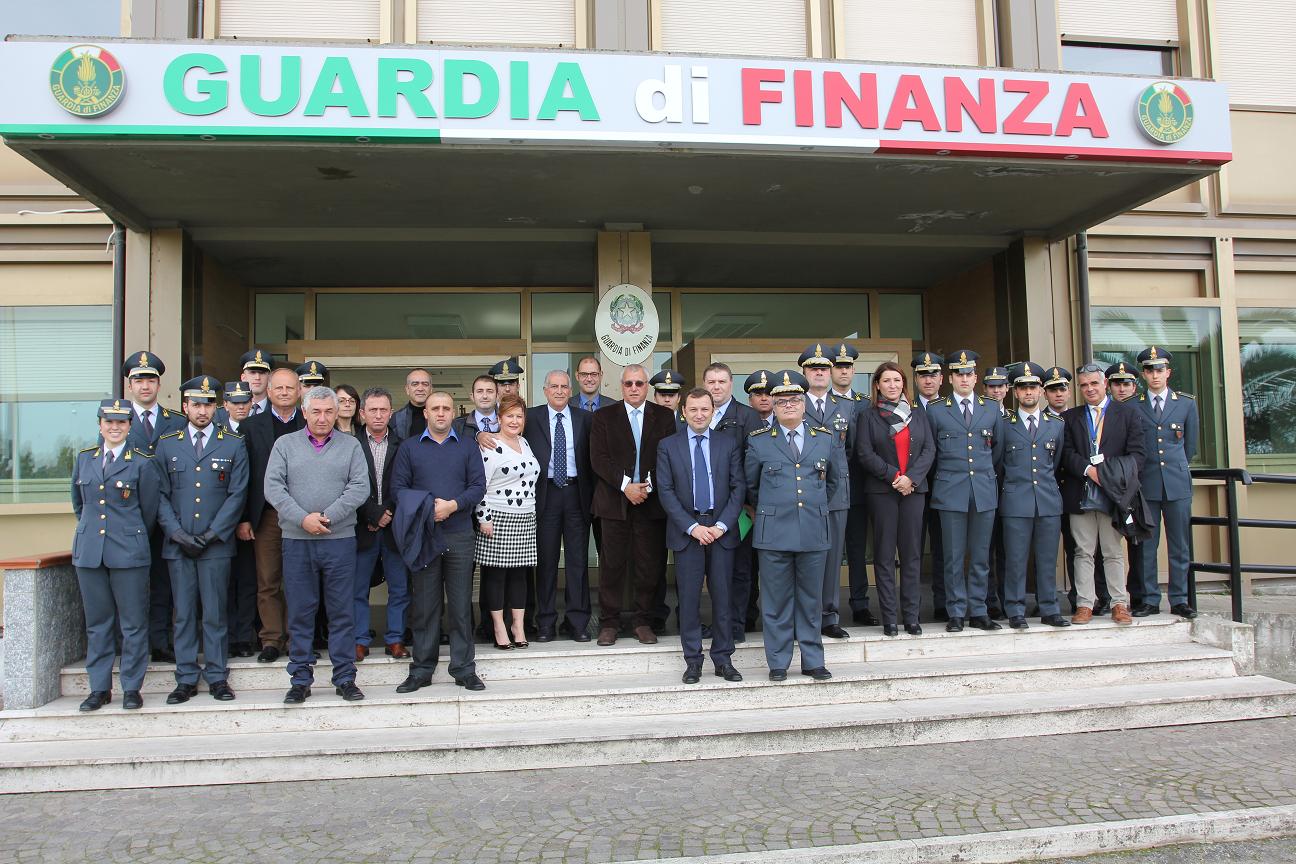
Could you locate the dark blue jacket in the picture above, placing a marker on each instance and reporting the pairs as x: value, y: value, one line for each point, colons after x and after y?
x: 452, y: 470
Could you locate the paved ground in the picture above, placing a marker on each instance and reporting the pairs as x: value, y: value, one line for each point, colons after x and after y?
x: 1281, y: 851
x: 625, y: 813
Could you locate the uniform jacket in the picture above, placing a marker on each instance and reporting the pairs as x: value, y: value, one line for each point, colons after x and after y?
x: 116, y: 510
x: 371, y: 512
x: 874, y: 456
x: 791, y: 497
x: 1029, y: 470
x: 167, y: 421
x: 1122, y: 434
x: 1170, y: 444
x: 839, y: 418
x: 612, y: 457
x: 675, y: 485
x: 204, y: 494
x: 537, y: 434
x: 258, y: 437
x: 967, y: 455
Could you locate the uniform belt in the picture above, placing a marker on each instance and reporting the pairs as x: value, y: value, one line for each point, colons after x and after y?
x: 703, y: 514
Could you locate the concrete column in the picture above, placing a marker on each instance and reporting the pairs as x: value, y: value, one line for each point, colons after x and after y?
x: 1030, y: 302
x: 44, y: 628
x: 1028, y: 34
x: 623, y: 256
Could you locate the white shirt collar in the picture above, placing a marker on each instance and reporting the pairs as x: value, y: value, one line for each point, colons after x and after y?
x: 554, y: 412
x: 1026, y: 415
x: 631, y: 409
x: 140, y: 409
x: 206, y: 433
x: 115, y: 451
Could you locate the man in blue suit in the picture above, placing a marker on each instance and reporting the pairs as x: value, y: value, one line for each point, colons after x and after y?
x: 1171, y: 429
x: 1030, y: 503
x: 969, y: 445
x: 701, y: 486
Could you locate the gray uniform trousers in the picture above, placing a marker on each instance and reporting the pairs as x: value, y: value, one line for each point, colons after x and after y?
x: 791, y: 586
x: 206, y: 580
x: 112, y: 596
x: 1031, y: 538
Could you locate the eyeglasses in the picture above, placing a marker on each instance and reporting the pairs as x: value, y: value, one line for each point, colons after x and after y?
x: 784, y: 403
x: 588, y: 374
x: 1090, y: 368
x: 634, y: 383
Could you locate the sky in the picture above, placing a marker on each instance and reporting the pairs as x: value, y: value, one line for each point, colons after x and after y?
x: 60, y: 17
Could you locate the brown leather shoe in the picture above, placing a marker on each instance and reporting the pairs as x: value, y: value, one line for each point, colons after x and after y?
x: 362, y: 651
x: 645, y: 635
x: 607, y: 636
x: 1083, y: 615
x: 398, y: 650
x: 1121, y: 614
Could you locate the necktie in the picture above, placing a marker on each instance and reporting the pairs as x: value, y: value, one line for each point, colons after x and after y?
x: 109, y: 458
x: 967, y: 412
x: 198, y: 444
x: 792, y: 442
x: 1159, y: 406
x: 701, y: 480
x: 819, y: 406
x: 560, y: 451
x: 256, y: 407
x: 148, y: 424
x: 637, y: 428
x: 1030, y: 423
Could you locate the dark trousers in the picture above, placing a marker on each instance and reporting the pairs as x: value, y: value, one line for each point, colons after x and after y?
x: 562, y: 525
x: 995, y: 591
x: 714, y: 564
x: 241, y: 614
x: 1031, y: 540
x: 741, y: 585
x: 791, y: 605
x: 633, y: 551
x: 119, y: 596
x: 446, y: 584
x: 315, y: 571
x: 966, y: 536
x: 160, y: 603
x: 897, y: 527
x: 503, y: 587
x: 932, y: 533
x: 397, y: 575
x: 857, y: 555
x: 1176, y: 516
x: 205, y: 582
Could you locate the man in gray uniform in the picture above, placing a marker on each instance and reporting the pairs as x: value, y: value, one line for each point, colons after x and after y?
x: 1030, y: 503
x: 1172, y: 429
x: 969, y: 444
x: 837, y: 415
x: 843, y: 378
x: 994, y: 385
x: 793, y: 471
x: 115, y: 492
x: 207, y: 467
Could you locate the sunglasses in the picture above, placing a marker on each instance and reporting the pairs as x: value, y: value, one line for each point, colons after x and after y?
x: 634, y: 383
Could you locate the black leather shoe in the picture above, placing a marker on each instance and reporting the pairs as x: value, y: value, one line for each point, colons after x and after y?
x: 1055, y: 620
x: 297, y: 694
x: 96, y: 700
x: 995, y: 614
x: 410, y: 684
x: 1103, y: 608
x: 240, y: 649
x: 954, y: 625
x: 981, y: 622
x: 470, y: 682
x: 1018, y: 622
x: 778, y: 675
x: 349, y: 691
x: 728, y: 673
x: 269, y: 654
x: 692, y: 674
x: 162, y: 655
x: 221, y: 691
x: 864, y: 618
x: 1143, y: 610
x: 182, y: 693
x: 941, y: 615
x: 1183, y: 610
x: 913, y: 629
x: 835, y: 631
x: 818, y: 674
x: 545, y: 636
x: 890, y: 630
x: 580, y: 637
x: 131, y: 699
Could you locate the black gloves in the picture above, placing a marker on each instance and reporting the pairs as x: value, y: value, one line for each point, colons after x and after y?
x: 190, y: 545
x: 207, y: 538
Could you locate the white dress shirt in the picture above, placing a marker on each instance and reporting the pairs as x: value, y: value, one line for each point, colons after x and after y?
x: 571, y: 440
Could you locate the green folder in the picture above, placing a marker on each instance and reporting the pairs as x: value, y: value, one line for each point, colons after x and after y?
x: 744, y: 524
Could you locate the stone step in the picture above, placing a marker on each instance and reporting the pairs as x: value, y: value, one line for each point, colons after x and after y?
x: 564, y: 658
x: 243, y: 757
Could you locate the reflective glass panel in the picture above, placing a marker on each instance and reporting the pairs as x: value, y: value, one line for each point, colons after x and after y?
x: 778, y: 316
x: 373, y: 315
x: 1128, y: 59
x: 566, y: 317
x: 902, y: 316
x: 280, y: 317
x: 1267, y: 340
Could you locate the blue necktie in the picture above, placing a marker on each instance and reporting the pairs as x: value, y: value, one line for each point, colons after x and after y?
x: 701, y: 481
x: 560, y: 451
x: 637, y: 428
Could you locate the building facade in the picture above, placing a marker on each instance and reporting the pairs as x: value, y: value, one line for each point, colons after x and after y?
x: 294, y: 200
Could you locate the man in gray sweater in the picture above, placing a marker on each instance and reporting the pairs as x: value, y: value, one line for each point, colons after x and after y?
x: 315, y: 479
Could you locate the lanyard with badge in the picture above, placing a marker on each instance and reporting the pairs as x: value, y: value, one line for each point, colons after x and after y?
x: 1095, y: 433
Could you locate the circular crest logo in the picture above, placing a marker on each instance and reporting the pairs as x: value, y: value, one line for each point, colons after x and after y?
x: 625, y: 324
x: 1165, y: 112
x: 87, y: 80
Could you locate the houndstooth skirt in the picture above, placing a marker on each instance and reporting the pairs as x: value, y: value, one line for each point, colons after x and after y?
x: 512, y: 542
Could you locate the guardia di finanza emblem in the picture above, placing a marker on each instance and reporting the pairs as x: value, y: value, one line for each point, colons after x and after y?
x: 627, y: 314
x: 87, y: 81
x: 1165, y: 112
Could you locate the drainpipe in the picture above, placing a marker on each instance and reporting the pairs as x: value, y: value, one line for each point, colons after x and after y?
x: 199, y: 14
x: 1082, y: 295
x: 118, y: 305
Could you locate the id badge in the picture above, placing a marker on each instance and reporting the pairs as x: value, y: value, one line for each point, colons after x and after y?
x: 1096, y: 459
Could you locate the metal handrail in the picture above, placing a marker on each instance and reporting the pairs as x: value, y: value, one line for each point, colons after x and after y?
x: 1234, y: 566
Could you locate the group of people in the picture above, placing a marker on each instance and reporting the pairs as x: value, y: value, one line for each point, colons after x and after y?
x: 259, y: 515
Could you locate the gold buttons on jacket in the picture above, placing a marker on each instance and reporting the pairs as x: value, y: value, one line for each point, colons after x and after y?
x: 101, y: 531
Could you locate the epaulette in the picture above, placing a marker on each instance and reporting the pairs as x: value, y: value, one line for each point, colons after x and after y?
x: 93, y: 449
x: 142, y: 453
x: 1175, y: 394
x: 1048, y: 416
x: 222, y: 432
x: 178, y: 434
x: 823, y: 429
x: 761, y: 431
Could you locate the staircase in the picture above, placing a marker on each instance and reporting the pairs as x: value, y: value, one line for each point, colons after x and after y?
x: 563, y: 703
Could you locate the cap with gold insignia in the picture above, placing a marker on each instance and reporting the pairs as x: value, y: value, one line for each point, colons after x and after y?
x: 816, y: 355
x: 844, y: 355
x: 1057, y: 376
x: 506, y: 370
x: 758, y: 381
x: 256, y: 360
x: 667, y: 381
x: 962, y: 360
x: 1121, y: 371
x: 1026, y: 372
x: 927, y: 362
x: 312, y: 372
x: 787, y: 382
x: 995, y: 375
x: 1154, y: 356
x: 237, y: 392
x: 200, y: 388
x: 115, y: 409
x: 143, y: 363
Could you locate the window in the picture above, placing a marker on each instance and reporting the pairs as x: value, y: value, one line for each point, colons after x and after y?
x: 761, y: 315
x: 371, y: 315
x: 300, y: 19
x: 758, y: 27
x: 1192, y: 335
x: 565, y: 317
x: 1267, y: 339
x: 48, y: 411
x: 902, y: 316
x: 1126, y: 59
x: 942, y: 31
x: 279, y: 318
x: 516, y: 22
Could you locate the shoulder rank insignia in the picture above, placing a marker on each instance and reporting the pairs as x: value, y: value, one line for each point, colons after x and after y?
x: 1142, y: 398
x: 142, y: 453
x: 166, y: 413
x: 178, y: 435
x: 230, y: 432
x: 823, y: 429
x: 1011, y: 418
x: 760, y: 431
x: 1048, y: 416
x: 94, y: 449
x: 980, y: 400
x: 1175, y: 394
x: 949, y: 403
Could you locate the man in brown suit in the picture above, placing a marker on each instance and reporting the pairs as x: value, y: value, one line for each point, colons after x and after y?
x: 623, y: 454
